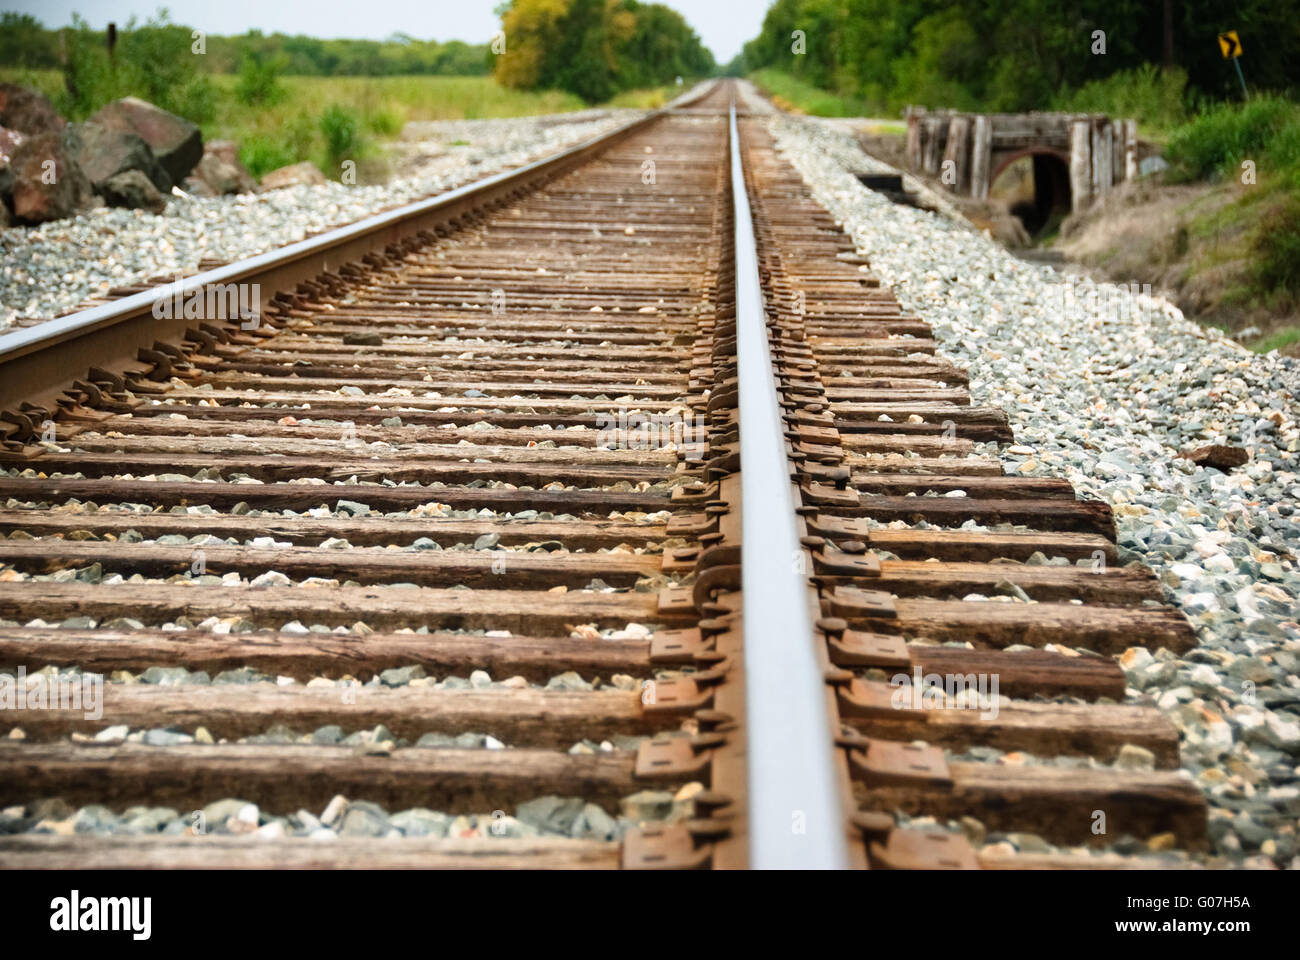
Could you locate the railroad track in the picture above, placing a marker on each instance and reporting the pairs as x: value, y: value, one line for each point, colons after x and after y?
x: 442, y: 562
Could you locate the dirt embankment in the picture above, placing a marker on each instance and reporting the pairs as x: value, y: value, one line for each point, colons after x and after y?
x: 1190, y: 242
x: 1193, y: 242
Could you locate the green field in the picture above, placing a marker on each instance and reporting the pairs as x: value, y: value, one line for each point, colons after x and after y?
x: 289, y: 130
x: 373, y: 109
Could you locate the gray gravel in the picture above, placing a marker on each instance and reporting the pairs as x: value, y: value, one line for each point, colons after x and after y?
x: 1104, y: 387
x: 543, y: 816
x: 49, y: 269
x: 408, y: 676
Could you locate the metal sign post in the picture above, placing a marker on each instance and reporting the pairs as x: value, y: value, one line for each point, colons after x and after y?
x: 1230, y: 47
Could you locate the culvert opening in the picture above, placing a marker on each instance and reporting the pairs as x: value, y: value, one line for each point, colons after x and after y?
x: 1035, y: 188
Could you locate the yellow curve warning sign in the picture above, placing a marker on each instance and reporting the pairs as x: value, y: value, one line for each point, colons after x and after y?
x: 1230, y: 44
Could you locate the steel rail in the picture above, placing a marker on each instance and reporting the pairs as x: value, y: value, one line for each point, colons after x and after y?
x: 38, y: 363
x: 796, y: 820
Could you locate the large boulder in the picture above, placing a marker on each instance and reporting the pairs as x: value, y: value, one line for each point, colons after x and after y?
x: 103, y: 153
x: 132, y: 189
x: 27, y: 110
x: 176, y: 143
x: 48, y: 184
x: 9, y: 140
x: 292, y: 176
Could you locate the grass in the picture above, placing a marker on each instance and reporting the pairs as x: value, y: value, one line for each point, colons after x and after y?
x: 329, y: 119
x: 1277, y: 341
x: 405, y: 98
x: 651, y: 98
x: 375, y: 108
x: 401, y: 99
x: 48, y: 82
x: 1264, y: 130
x: 790, y: 93
x: 1262, y: 228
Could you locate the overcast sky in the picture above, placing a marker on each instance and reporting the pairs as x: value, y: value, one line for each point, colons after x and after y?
x: 723, y: 25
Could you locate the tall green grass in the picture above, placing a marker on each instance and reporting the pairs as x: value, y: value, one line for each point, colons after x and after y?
x: 341, y: 132
x: 789, y: 91
x: 1157, y: 99
x: 1265, y: 130
x: 259, y: 81
x: 1277, y: 248
x: 1277, y: 341
x: 330, y: 119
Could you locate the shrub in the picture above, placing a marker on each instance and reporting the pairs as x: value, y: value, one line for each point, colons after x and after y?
x: 1155, y: 98
x: 342, y: 132
x: 154, y: 62
x: 25, y: 43
x: 261, y: 154
x: 1277, y: 247
x: 259, y: 80
x: 1222, y: 137
x: 386, y: 123
x: 291, y: 142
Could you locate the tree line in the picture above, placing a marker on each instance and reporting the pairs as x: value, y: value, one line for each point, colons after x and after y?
x: 596, y: 48
x: 26, y: 43
x: 1018, y: 54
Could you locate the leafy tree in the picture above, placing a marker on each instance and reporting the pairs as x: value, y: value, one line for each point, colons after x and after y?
x: 1017, y: 54
x: 595, y: 48
x: 25, y: 43
x: 259, y: 79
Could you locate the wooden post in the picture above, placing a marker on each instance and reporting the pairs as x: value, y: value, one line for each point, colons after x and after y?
x: 1080, y: 165
x: 957, y: 152
x: 1105, y: 162
x: 981, y: 158
x: 913, y: 152
x: 1094, y: 154
x: 932, y: 144
x: 1117, y: 152
x: 1130, y: 149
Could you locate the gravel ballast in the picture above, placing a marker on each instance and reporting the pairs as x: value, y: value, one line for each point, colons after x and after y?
x: 1105, y: 386
x: 47, y: 270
